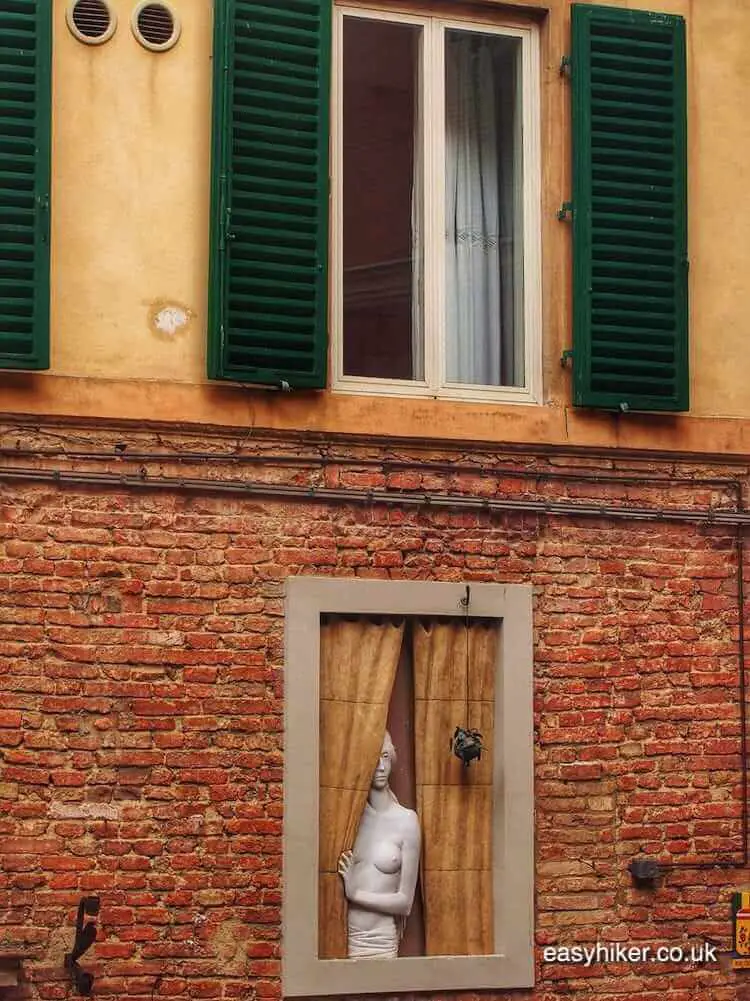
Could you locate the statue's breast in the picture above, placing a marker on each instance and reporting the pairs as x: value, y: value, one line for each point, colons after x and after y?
x: 387, y: 857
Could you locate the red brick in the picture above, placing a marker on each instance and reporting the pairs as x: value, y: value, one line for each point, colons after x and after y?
x: 142, y: 644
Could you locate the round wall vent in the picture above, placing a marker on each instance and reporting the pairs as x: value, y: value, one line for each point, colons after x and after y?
x: 155, y: 25
x: 91, y: 21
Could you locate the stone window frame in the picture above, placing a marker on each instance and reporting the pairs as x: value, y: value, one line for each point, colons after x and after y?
x: 303, y: 973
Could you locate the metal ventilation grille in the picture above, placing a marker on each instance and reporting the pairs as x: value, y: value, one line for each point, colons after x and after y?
x: 155, y: 26
x: 91, y: 21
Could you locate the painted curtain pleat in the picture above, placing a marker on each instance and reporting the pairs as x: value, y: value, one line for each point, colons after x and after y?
x: 630, y: 292
x: 454, y: 802
x: 358, y: 662
x: 269, y: 204
x: 25, y: 101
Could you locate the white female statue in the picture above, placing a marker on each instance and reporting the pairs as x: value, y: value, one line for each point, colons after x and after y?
x: 380, y: 874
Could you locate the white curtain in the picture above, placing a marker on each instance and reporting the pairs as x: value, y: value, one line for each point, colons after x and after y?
x: 473, y: 211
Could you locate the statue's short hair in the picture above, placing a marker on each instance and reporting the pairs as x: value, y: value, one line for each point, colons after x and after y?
x: 389, y: 746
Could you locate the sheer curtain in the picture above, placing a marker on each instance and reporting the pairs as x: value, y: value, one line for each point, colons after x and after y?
x: 474, y: 205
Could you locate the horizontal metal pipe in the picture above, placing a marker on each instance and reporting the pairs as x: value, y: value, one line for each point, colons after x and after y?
x: 585, y: 509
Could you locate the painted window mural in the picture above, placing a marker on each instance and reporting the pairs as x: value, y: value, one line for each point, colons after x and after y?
x: 392, y: 693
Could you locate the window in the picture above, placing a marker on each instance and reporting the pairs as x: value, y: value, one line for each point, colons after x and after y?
x: 436, y: 206
x: 434, y: 255
x: 347, y: 643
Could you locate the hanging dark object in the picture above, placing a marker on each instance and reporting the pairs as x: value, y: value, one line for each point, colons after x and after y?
x: 467, y: 745
x: 85, y: 937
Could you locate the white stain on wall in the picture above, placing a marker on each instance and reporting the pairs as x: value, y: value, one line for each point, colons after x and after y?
x: 169, y: 319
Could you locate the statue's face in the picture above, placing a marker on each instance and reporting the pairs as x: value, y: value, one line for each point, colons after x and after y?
x: 383, y: 770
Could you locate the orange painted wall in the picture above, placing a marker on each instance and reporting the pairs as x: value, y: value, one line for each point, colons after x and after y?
x: 129, y: 238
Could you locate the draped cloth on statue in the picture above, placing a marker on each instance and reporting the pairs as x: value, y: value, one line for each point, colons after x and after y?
x: 358, y: 661
x: 374, y: 944
x: 454, y: 802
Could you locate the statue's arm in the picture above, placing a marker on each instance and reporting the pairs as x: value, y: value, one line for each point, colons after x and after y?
x: 400, y: 902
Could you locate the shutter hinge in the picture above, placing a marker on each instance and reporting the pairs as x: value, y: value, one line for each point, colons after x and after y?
x: 565, y: 356
x: 42, y: 202
x: 566, y: 66
x: 226, y: 234
x: 565, y: 211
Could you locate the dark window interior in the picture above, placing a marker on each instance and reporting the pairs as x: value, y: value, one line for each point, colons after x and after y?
x: 380, y: 73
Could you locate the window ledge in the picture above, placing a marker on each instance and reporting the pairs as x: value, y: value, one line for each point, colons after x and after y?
x: 414, y: 390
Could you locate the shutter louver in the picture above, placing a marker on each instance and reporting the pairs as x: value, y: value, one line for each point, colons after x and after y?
x: 269, y: 225
x: 25, y: 99
x: 630, y: 346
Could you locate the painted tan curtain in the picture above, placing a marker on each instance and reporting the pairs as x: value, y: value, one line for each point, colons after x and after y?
x: 358, y: 661
x: 454, y: 802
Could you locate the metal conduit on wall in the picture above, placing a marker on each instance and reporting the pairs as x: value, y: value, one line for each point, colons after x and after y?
x: 719, y: 517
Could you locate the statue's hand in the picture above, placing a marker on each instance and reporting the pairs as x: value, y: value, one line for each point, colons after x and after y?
x: 346, y: 871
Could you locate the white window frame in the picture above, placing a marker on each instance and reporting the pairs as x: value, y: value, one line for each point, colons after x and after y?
x: 431, y: 105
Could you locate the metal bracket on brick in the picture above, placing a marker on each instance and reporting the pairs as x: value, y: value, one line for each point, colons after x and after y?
x: 85, y: 938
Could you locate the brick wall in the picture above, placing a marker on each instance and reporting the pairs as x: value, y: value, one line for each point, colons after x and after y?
x: 141, y: 670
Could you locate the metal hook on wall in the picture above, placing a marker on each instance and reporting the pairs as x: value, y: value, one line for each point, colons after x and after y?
x: 85, y: 938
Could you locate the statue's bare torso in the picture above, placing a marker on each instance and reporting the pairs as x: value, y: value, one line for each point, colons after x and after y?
x: 378, y: 858
x: 380, y: 872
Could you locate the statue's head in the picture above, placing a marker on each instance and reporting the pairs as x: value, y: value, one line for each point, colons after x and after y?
x: 386, y: 761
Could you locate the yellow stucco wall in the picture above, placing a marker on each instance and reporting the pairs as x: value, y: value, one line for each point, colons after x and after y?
x: 130, y: 156
x: 130, y: 225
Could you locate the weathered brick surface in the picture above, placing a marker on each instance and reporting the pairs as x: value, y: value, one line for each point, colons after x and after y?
x: 141, y: 722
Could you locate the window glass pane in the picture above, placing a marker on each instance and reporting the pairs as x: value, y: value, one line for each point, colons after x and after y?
x: 484, y: 203
x: 382, y: 202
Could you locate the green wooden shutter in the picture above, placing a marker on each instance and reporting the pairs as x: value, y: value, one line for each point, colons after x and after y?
x: 630, y: 324
x: 25, y: 102
x: 269, y: 222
